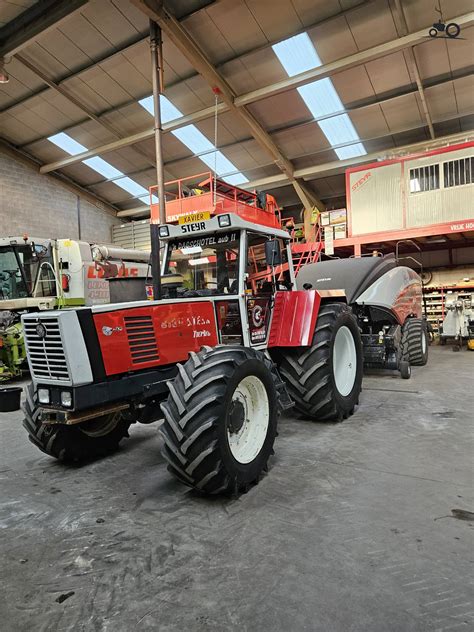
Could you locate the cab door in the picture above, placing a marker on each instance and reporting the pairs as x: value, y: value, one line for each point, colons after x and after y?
x: 261, y: 281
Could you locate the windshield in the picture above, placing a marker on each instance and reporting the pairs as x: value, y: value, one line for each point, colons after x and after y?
x: 12, y: 277
x: 202, y: 266
x: 12, y: 284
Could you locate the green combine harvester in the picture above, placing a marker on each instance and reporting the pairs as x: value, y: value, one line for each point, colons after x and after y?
x: 43, y: 274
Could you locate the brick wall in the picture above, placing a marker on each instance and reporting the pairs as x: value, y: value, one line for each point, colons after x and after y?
x: 42, y: 206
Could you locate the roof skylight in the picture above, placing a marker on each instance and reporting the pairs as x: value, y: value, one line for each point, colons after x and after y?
x: 131, y: 186
x: 103, y: 167
x: 195, y: 140
x: 72, y: 147
x: 297, y: 54
x: 67, y: 144
x: 168, y: 111
x: 189, y: 135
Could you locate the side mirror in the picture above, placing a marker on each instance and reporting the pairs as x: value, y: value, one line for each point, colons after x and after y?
x: 273, y: 252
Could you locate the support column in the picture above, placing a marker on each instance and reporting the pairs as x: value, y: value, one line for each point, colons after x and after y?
x: 78, y: 207
x: 156, y: 50
x: 310, y: 200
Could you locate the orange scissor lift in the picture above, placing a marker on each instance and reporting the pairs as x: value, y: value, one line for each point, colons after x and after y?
x: 202, y: 193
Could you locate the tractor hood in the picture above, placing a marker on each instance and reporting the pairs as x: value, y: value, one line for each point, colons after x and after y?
x: 130, y: 337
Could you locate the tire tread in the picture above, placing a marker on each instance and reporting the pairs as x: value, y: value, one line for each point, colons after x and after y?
x: 67, y: 443
x: 307, y: 370
x: 411, y: 342
x: 195, y: 407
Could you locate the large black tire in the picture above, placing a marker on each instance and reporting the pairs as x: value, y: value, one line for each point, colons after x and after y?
x: 309, y: 372
x: 414, y: 342
x: 201, y: 415
x: 82, y: 442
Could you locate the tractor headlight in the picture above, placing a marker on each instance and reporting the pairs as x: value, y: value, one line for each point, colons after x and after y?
x: 66, y: 399
x: 224, y: 221
x: 164, y: 231
x: 43, y: 395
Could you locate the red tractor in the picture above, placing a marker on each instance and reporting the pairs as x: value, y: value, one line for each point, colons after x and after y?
x: 231, y: 343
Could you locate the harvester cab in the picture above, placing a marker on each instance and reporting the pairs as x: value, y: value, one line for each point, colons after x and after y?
x: 26, y: 282
x: 26, y: 273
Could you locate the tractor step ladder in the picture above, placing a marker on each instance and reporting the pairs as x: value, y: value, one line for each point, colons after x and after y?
x: 302, y: 254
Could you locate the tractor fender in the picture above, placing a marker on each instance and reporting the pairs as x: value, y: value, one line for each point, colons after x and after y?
x: 295, y: 314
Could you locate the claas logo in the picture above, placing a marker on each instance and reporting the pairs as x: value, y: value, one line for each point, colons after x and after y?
x: 93, y: 273
x: 361, y: 181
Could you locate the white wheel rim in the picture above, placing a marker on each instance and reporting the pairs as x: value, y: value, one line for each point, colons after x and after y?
x: 423, y: 341
x: 246, y: 443
x: 344, y: 361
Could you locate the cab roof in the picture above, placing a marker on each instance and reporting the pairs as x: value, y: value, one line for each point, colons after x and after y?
x: 20, y: 241
x: 213, y: 225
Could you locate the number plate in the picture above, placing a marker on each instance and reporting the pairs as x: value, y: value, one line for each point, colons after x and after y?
x: 194, y: 217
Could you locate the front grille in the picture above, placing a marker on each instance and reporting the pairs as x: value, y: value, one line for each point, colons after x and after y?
x: 46, y: 355
x: 141, y: 339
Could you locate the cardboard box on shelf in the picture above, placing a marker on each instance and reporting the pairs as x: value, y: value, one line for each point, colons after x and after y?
x: 324, y: 218
x: 339, y: 216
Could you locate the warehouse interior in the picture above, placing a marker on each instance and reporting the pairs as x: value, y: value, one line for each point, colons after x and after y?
x: 331, y: 144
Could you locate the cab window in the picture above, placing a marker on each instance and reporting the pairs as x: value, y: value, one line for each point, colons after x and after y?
x: 259, y: 277
x: 202, y: 266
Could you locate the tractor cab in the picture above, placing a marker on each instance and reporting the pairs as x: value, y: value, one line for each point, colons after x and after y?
x: 198, y: 198
x: 226, y: 245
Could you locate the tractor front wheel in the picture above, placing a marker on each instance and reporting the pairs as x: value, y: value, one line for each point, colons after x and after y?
x: 221, y: 419
x: 325, y: 379
x: 80, y: 442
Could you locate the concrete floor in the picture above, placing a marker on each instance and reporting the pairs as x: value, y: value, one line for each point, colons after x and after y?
x: 351, y: 530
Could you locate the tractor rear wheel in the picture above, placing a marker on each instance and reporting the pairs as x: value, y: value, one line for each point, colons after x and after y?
x: 414, y: 342
x: 221, y: 419
x: 81, y: 442
x: 325, y: 379
x: 452, y: 29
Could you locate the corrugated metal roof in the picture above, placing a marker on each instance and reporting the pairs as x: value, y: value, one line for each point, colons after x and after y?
x: 100, y: 56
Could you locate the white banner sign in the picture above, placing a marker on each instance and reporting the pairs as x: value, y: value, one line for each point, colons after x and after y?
x: 328, y: 240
